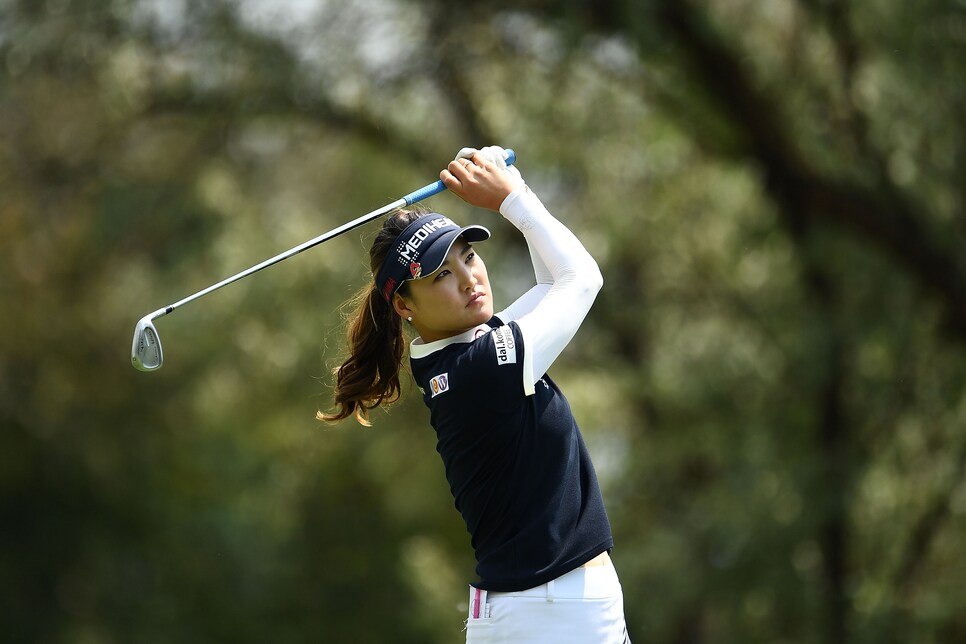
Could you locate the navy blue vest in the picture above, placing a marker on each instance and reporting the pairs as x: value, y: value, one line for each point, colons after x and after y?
x: 517, y: 465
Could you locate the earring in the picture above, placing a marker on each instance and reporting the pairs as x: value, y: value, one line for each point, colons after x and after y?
x: 409, y: 319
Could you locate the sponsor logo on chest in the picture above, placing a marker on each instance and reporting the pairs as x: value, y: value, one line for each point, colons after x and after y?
x: 439, y: 384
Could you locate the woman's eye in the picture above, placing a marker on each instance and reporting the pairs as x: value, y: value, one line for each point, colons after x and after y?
x: 470, y: 257
x: 441, y: 274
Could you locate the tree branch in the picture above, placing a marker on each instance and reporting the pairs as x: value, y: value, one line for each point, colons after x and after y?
x: 925, y: 530
x: 228, y: 105
x: 892, y: 225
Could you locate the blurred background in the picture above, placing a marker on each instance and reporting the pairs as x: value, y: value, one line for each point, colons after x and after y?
x: 772, y: 382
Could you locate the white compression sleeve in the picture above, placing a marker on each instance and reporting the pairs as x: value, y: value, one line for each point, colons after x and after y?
x: 549, y: 316
x: 526, y: 302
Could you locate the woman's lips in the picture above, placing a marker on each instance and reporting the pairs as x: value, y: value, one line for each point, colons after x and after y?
x: 475, y: 297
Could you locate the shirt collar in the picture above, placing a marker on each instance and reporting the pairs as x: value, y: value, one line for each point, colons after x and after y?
x: 420, y: 349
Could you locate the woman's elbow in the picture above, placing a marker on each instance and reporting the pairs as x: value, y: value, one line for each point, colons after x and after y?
x: 594, y: 279
x: 588, y: 283
x: 584, y: 279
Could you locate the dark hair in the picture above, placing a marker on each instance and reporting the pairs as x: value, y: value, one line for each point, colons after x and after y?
x: 369, y: 377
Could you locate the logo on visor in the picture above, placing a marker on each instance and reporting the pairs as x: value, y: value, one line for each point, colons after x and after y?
x: 389, y: 288
x: 415, y: 269
x: 409, y: 250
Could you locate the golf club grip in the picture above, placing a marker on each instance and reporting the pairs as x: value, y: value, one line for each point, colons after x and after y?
x: 435, y: 188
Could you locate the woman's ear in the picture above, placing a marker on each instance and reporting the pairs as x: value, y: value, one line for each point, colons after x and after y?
x: 401, y: 306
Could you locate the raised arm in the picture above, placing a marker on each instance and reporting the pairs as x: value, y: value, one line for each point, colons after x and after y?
x: 568, y: 277
x: 476, y: 192
x: 553, y: 322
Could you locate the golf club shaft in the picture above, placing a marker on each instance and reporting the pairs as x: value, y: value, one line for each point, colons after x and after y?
x: 335, y: 232
x: 408, y: 200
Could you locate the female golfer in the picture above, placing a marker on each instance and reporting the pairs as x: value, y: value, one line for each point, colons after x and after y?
x: 515, y: 460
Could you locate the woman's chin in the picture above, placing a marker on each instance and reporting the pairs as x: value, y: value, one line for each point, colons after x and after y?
x: 484, y: 314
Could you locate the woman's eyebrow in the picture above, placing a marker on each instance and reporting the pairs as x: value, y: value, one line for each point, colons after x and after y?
x: 461, y: 250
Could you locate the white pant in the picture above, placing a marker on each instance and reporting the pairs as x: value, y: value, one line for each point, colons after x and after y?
x: 584, y: 606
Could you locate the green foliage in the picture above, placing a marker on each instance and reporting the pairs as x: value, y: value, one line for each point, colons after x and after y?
x: 771, y: 383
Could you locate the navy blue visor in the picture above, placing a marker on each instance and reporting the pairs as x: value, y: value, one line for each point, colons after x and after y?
x: 420, y: 250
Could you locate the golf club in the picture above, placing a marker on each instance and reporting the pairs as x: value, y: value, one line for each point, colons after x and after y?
x: 146, y: 353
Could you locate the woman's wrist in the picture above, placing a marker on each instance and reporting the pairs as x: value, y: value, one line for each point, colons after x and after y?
x: 519, y: 205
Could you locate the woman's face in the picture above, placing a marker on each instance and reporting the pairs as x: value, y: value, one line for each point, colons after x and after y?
x: 453, y: 299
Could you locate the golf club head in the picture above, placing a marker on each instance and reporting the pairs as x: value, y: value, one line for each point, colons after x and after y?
x: 146, y: 352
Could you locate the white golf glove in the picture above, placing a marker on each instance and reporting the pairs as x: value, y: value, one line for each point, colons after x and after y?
x: 495, y: 155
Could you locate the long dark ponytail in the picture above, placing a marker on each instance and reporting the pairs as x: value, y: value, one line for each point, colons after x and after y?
x: 369, y: 377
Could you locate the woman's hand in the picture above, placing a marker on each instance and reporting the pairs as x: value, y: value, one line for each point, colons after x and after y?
x: 478, y: 178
